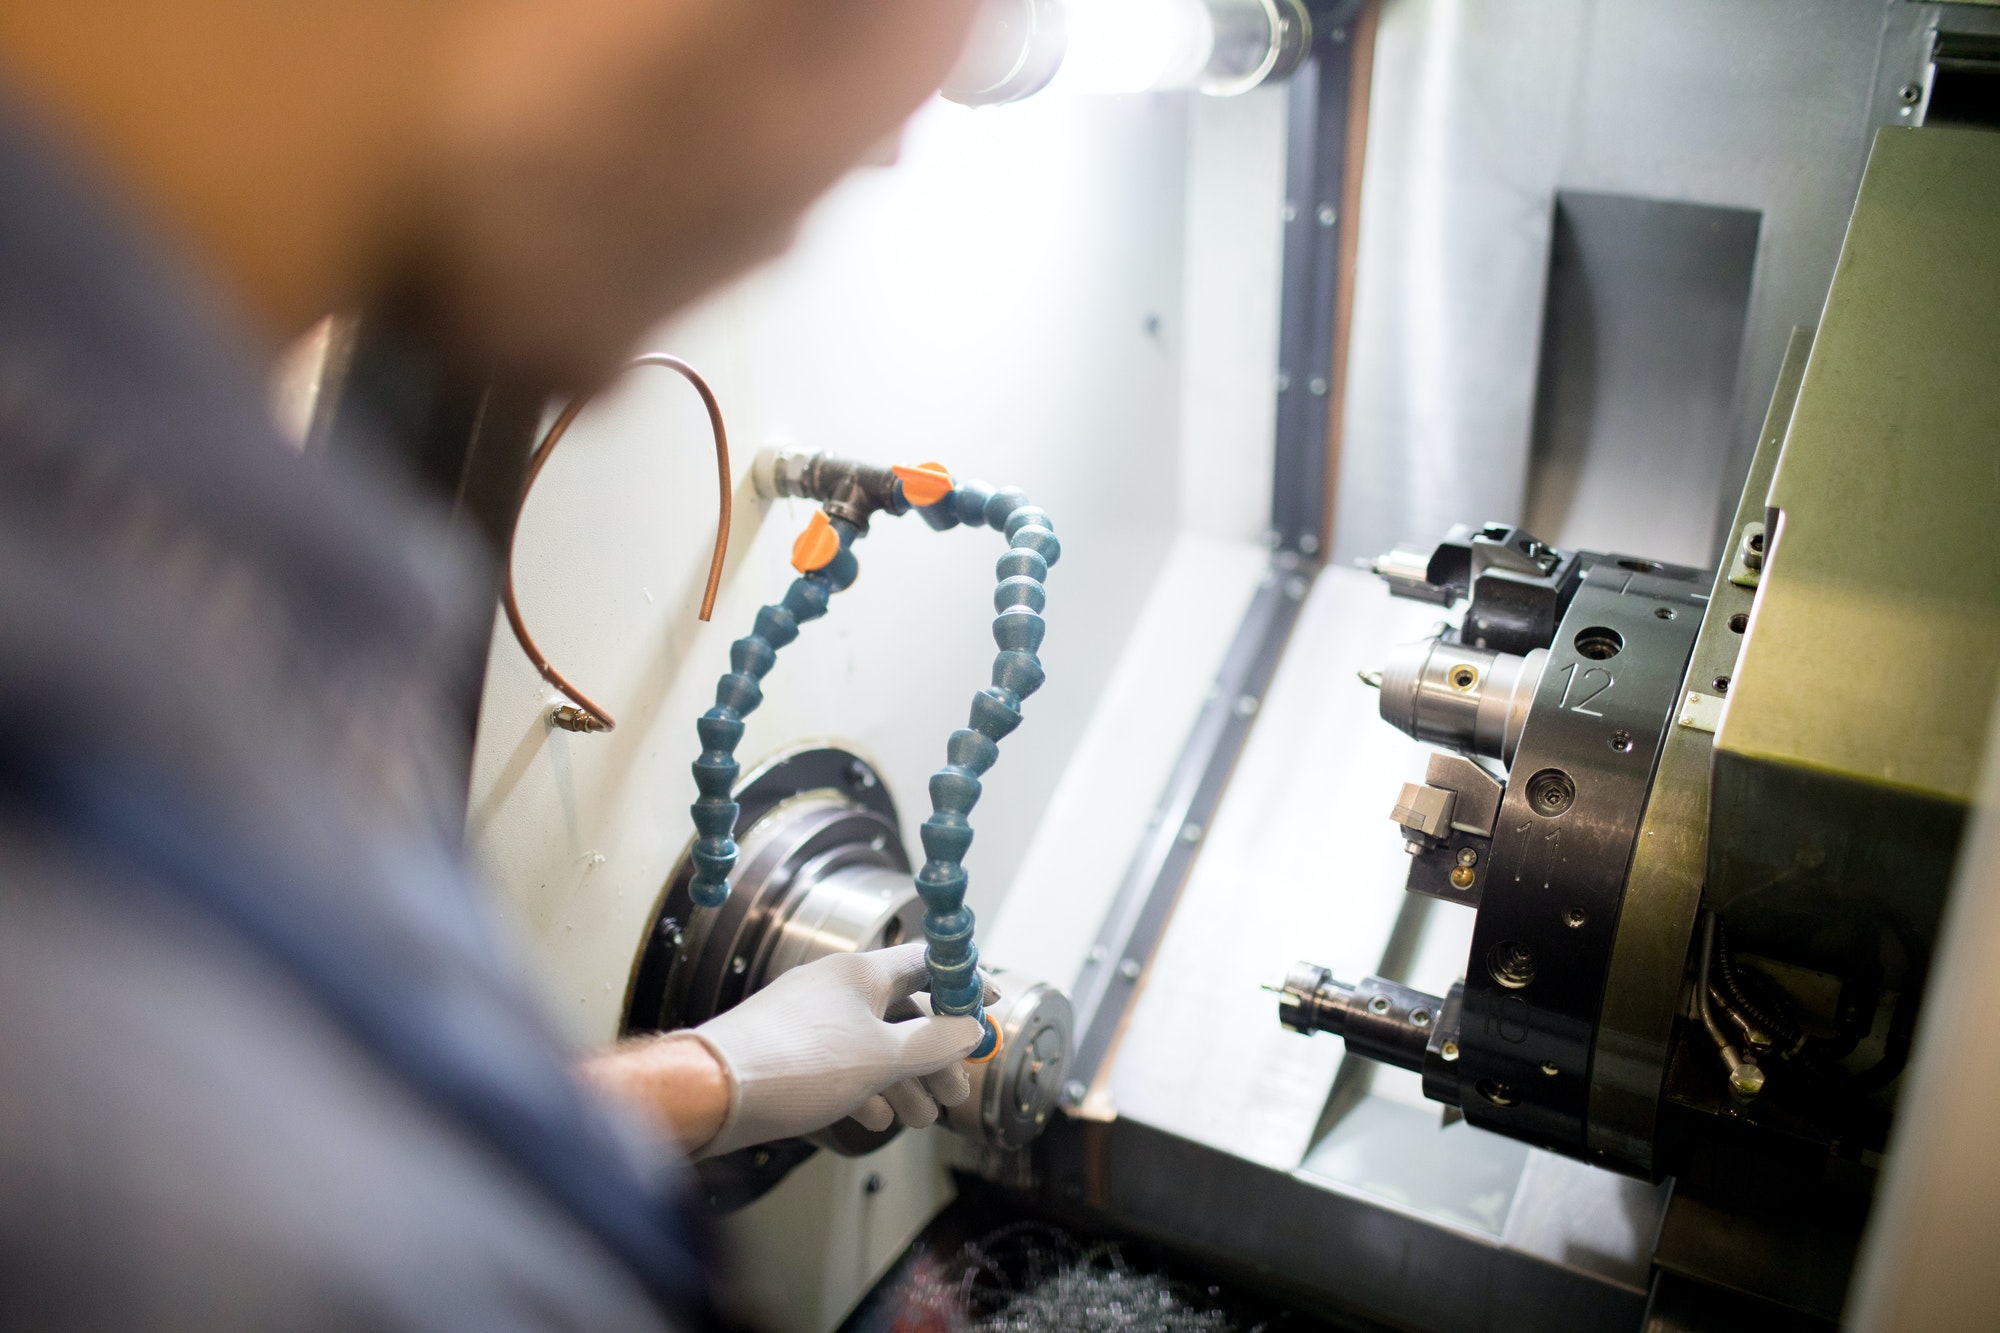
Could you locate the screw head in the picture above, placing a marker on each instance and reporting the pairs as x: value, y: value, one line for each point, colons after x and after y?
x: 1129, y: 969
x: 1073, y: 1092
x: 1551, y: 792
x: 1909, y: 94
x: 1449, y: 1051
x: 1379, y: 1005
x: 1512, y: 964
x: 1468, y: 856
x: 1461, y: 877
x: 1328, y: 215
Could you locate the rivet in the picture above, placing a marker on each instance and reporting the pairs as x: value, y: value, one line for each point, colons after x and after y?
x: 1129, y: 969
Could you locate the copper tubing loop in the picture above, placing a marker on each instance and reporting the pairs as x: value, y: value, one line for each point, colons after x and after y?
x: 587, y: 714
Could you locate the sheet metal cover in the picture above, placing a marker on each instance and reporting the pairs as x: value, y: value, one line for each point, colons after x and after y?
x: 1876, y: 639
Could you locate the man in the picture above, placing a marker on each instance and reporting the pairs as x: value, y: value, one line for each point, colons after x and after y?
x: 263, y: 1062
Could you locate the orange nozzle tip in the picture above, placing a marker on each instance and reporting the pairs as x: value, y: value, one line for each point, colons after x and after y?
x: 998, y: 1041
x: 816, y: 547
x: 925, y: 484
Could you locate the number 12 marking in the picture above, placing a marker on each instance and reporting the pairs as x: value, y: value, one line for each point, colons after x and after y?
x: 1591, y: 690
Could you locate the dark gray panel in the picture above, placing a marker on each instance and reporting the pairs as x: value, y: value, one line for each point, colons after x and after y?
x: 1641, y: 336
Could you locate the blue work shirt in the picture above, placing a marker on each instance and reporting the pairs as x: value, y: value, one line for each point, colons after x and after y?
x: 265, y: 1060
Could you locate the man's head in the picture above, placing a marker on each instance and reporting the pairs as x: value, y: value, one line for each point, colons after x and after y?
x: 538, y: 181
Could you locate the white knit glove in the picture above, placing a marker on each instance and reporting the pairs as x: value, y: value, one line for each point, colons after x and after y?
x: 845, y: 1035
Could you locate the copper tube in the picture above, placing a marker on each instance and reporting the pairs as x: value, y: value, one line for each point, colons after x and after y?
x: 587, y: 715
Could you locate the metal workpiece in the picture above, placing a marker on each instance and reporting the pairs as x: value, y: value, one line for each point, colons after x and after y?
x: 1468, y: 698
x: 841, y: 903
x: 1655, y: 931
x: 1014, y: 1094
x: 849, y: 489
x: 1552, y: 891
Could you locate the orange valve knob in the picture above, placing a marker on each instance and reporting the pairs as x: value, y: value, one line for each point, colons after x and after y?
x: 817, y: 545
x: 925, y: 484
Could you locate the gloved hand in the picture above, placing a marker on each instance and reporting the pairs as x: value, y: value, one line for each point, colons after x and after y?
x: 823, y: 1042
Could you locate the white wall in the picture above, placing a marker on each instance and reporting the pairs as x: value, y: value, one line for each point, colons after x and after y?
x: 1005, y: 298
x: 1480, y: 110
x: 1229, y: 350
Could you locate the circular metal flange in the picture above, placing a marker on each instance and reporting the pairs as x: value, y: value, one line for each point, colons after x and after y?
x: 823, y: 870
x: 818, y: 806
x: 1014, y: 1094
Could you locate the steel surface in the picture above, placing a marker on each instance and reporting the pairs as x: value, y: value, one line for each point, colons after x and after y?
x: 1663, y: 886
x: 1851, y: 741
x: 1547, y: 919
